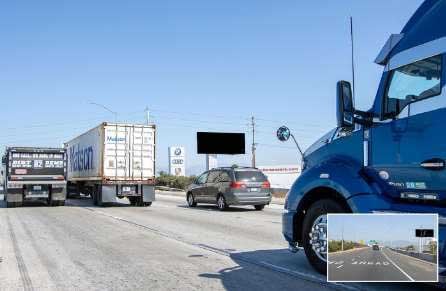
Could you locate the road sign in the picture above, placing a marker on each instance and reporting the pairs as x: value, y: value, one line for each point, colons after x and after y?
x: 421, y: 232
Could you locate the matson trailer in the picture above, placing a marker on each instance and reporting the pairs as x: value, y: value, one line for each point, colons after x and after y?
x: 111, y: 161
x: 33, y: 173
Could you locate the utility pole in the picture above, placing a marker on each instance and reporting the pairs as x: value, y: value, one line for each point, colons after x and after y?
x: 253, y: 146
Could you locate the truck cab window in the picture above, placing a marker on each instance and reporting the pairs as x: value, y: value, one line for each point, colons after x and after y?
x: 411, y: 83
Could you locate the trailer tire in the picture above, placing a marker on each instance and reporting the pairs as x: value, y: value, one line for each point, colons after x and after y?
x: 95, y: 197
x: 317, y: 210
x: 99, y: 196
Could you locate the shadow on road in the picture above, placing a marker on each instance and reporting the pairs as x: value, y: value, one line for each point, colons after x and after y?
x: 36, y: 203
x: 278, y: 269
x: 210, y: 207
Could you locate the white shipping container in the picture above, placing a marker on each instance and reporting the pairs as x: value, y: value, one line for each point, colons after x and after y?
x: 113, y: 152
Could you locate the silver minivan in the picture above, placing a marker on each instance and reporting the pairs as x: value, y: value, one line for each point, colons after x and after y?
x: 230, y: 186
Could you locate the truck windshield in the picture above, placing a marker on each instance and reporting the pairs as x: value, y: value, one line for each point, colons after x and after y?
x: 252, y: 176
x: 413, y: 82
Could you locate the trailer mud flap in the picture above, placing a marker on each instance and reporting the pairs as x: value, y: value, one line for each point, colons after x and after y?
x: 109, y: 193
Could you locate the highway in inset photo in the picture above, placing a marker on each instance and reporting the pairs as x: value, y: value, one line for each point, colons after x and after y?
x: 366, y: 264
x: 370, y: 248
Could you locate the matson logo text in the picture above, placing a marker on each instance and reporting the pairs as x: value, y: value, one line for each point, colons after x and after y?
x: 81, y: 159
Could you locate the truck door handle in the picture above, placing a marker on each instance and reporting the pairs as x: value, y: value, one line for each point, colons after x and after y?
x: 433, y: 164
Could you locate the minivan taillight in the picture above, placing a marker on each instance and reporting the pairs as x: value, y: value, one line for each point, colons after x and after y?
x: 238, y: 185
x: 266, y: 185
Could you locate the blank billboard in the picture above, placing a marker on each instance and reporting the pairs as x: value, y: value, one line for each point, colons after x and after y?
x: 220, y: 143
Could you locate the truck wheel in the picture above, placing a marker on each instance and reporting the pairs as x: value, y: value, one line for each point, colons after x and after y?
x: 133, y: 201
x: 259, y: 207
x: 314, y: 232
x: 191, y: 200
x: 147, y: 204
x: 221, y: 203
x: 95, y: 197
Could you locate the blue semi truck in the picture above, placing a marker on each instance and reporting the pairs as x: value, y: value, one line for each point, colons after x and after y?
x: 388, y: 159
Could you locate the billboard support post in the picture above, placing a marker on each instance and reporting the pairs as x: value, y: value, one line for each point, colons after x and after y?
x: 211, y: 161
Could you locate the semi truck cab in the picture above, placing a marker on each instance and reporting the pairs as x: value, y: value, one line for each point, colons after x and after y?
x: 390, y: 158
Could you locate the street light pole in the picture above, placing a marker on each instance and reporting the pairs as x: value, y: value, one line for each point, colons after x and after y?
x: 108, y: 109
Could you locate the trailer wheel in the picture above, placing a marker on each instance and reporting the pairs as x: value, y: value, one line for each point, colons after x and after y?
x: 94, y: 195
x: 314, y: 232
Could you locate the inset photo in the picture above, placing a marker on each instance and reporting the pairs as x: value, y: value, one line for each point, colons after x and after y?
x: 382, y: 247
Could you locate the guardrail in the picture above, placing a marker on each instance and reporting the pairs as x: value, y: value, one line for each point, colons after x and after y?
x: 422, y: 256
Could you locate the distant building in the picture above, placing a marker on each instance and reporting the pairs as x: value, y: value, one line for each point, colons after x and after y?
x: 281, y: 176
x: 177, y: 161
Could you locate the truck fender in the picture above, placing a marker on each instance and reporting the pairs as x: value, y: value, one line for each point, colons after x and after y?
x: 338, y: 178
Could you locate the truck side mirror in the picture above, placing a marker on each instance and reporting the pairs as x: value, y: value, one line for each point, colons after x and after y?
x: 345, y: 109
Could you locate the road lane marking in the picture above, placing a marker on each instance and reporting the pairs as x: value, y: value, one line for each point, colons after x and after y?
x: 401, y: 270
x: 339, y: 266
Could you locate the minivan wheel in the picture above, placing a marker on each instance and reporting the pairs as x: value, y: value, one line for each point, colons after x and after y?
x: 314, y: 232
x: 191, y: 200
x: 259, y: 207
x: 221, y: 203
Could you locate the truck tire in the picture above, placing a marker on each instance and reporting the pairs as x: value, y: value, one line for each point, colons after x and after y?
x: 314, y: 219
x: 95, y: 197
x: 133, y: 201
x: 147, y: 204
x: 99, y: 195
x: 259, y: 207
x: 58, y: 203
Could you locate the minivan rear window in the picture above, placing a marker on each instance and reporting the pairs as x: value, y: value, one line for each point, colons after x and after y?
x: 253, y: 176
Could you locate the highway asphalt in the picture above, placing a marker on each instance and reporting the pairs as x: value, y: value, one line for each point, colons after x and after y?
x: 367, y: 264
x: 167, y: 246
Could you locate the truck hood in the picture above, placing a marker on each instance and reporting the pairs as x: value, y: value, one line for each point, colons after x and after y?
x: 320, y: 142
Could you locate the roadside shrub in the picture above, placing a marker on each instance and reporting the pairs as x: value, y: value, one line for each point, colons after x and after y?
x: 178, y: 182
x: 336, y: 245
